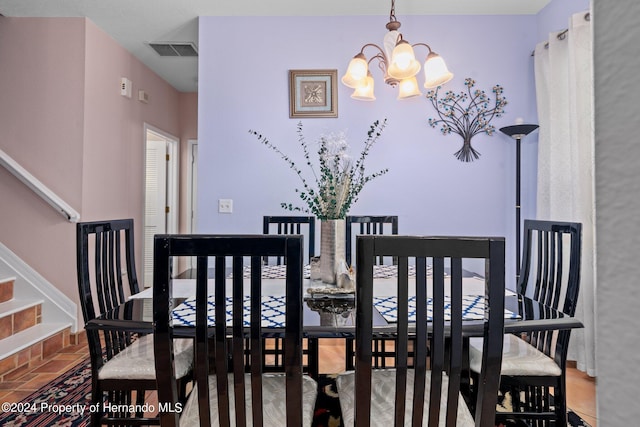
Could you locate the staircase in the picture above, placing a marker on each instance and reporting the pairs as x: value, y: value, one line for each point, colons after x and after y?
x: 24, y: 339
x: 36, y: 318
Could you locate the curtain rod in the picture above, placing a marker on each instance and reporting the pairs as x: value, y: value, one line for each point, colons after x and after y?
x: 563, y: 34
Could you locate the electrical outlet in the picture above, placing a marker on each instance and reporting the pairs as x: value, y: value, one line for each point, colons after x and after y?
x: 225, y: 205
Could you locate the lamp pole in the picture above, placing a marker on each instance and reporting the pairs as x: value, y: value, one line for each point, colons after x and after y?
x: 517, y: 132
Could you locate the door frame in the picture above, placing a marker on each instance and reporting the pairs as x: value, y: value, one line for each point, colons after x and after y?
x: 172, y: 182
x: 192, y: 184
x: 192, y: 190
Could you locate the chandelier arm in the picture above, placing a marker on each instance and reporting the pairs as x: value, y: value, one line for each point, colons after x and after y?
x: 383, y: 61
x: 423, y: 44
x: 380, y: 51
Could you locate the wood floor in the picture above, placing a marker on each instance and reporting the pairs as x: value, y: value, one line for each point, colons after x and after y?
x: 581, y: 393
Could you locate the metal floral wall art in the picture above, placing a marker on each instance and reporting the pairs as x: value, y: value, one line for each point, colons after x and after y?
x: 467, y: 114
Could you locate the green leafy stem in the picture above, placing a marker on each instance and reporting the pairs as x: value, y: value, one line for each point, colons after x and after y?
x: 338, y: 182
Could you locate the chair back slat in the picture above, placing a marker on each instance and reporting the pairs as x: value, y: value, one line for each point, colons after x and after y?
x: 230, y: 339
x: 437, y: 340
x: 402, y: 342
x: 290, y: 225
x: 238, y: 339
x: 455, y: 340
x: 420, y: 351
x: 368, y: 225
x: 437, y: 327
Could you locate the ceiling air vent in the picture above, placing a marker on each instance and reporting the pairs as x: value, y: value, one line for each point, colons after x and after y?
x: 174, y: 48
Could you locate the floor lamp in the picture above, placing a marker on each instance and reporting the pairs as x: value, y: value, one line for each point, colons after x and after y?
x: 517, y: 132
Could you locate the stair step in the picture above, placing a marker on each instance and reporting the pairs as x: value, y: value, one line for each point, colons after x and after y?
x: 16, y: 305
x: 6, y: 289
x: 33, y: 344
x: 18, y: 315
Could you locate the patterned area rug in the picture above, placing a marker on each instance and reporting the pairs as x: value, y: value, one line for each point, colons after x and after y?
x: 62, y: 403
x: 65, y: 402
x: 327, y: 412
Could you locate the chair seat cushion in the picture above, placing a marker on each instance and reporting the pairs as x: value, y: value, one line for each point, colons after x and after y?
x: 383, y: 384
x: 273, y: 395
x: 519, y: 358
x: 136, y: 361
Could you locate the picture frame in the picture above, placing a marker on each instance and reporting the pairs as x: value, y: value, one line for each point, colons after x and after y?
x: 313, y: 93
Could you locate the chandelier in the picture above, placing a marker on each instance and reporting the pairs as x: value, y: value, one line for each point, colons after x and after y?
x: 398, y: 63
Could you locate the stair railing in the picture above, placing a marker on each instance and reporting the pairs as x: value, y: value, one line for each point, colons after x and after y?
x: 39, y: 188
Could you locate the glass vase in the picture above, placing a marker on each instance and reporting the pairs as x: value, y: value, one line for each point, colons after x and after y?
x: 332, y: 249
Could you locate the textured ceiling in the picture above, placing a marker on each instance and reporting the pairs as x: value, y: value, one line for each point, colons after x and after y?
x: 133, y: 23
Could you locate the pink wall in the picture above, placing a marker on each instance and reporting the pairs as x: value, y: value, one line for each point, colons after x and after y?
x: 189, y: 126
x: 41, y: 127
x: 62, y: 118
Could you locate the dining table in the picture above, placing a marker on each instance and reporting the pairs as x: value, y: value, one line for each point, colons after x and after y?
x: 328, y: 311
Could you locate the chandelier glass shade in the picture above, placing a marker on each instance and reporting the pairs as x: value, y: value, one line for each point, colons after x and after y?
x: 403, y: 61
x: 398, y: 62
x: 364, y: 92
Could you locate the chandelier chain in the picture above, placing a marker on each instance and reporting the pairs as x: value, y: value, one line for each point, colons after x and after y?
x: 392, y: 13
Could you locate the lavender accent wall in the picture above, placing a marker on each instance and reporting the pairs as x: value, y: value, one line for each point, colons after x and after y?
x: 243, y: 85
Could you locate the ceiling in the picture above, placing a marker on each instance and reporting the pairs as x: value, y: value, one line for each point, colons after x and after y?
x: 135, y: 23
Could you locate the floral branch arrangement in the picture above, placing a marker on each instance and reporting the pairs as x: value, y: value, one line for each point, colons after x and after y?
x: 470, y: 120
x: 338, y: 181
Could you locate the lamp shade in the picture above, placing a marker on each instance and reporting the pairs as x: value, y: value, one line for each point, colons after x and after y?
x: 364, y: 92
x: 518, y: 131
x: 408, y: 88
x: 356, y: 72
x: 436, y: 72
x: 403, y: 61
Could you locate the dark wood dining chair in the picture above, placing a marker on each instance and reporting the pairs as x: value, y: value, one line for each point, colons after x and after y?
x: 430, y: 391
x: 368, y: 224
x: 383, y: 349
x: 122, y: 363
x: 227, y: 395
x: 291, y: 225
x: 534, y: 363
x: 304, y: 225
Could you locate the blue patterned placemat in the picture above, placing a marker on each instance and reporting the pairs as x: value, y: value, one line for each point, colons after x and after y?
x: 279, y: 271
x: 273, y: 308
x: 472, y: 308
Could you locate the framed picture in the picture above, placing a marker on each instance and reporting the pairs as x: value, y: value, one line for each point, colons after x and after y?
x: 313, y: 93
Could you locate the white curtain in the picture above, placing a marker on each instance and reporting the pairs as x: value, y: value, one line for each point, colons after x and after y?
x: 564, y: 91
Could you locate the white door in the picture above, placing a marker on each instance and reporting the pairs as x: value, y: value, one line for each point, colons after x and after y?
x: 161, y: 206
